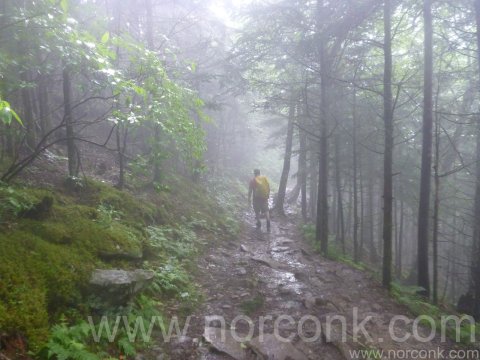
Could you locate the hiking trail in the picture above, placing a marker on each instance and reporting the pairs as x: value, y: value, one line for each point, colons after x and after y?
x: 277, y: 274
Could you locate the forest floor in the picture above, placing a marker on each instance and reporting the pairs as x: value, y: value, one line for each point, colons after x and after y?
x: 278, y: 274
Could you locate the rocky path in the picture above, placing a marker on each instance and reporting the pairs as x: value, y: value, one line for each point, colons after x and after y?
x: 298, y: 293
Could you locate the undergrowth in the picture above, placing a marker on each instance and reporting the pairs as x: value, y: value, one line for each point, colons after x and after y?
x: 406, y: 295
x: 47, y: 259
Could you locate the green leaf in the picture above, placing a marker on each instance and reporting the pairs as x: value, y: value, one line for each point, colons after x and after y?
x: 105, y: 37
x: 15, y: 115
x: 6, y: 113
x: 64, y: 5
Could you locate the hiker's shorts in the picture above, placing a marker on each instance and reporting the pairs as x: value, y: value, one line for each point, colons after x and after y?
x: 260, y: 205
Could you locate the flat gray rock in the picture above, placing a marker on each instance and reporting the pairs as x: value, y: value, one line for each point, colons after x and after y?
x: 226, y: 344
x: 267, y: 262
x: 280, y: 248
x: 272, y: 348
x: 119, y: 286
x: 120, y: 277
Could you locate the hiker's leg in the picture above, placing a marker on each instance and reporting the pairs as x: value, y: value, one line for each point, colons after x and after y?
x: 257, y: 208
x: 267, y: 213
x: 264, y: 209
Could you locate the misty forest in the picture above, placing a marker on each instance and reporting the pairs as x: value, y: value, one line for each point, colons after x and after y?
x: 239, y: 179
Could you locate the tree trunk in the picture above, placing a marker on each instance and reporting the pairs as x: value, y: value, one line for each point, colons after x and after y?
x: 436, y: 207
x: 354, y: 181
x: 28, y: 117
x: 398, y: 266
x: 388, y: 155
x: 322, y: 192
x: 302, y: 172
x: 426, y: 169
x: 282, y: 188
x: 475, y: 267
x: 68, y: 117
x: 340, y: 222
x: 313, y: 180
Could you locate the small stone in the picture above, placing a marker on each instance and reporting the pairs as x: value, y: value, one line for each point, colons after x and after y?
x: 182, y: 342
x: 309, y: 301
x: 284, y: 291
x: 244, y: 248
x: 280, y: 248
x: 226, y: 307
x: 242, y: 271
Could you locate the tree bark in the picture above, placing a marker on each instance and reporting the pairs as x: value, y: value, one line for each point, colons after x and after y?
x: 71, y: 150
x: 356, y: 255
x: 436, y: 207
x: 475, y: 267
x: 388, y: 155
x: 340, y: 230
x: 426, y: 168
x: 398, y: 266
x: 321, y: 230
x: 302, y: 172
x: 282, y: 188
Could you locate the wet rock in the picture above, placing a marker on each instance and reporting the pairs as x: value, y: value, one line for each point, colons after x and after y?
x: 222, y: 341
x: 284, y: 291
x: 242, y: 271
x: 119, y: 286
x: 226, y: 307
x: 280, y: 249
x: 273, y: 348
x: 267, y: 262
x: 244, y: 248
x: 320, y: 301
x: 289, y: 305
x: 182, y: 342
x: 301, y: 276
x: 182, y: 347
x: 316, y: 282
x: 309, y: 301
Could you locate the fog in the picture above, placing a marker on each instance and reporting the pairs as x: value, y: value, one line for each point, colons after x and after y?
x: 362, y: 115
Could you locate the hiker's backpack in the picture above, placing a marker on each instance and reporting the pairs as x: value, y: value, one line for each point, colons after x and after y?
x: 262, y: 187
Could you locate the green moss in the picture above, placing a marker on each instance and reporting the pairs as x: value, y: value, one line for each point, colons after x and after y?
x: 22, y: 300
x: 45, y: 264
x: 249, y: 307
x: 137, y: 210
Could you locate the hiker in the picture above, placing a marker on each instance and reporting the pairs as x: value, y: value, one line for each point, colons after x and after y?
x: 260, y: 189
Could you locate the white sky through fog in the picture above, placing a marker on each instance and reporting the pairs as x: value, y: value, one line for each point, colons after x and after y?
x: 224, y: 10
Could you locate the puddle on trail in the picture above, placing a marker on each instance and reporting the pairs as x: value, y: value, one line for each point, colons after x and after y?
x: 283, y: 279
x: 288, y: 259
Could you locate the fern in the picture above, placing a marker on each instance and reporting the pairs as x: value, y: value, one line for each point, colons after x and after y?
x: 69, y: 343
